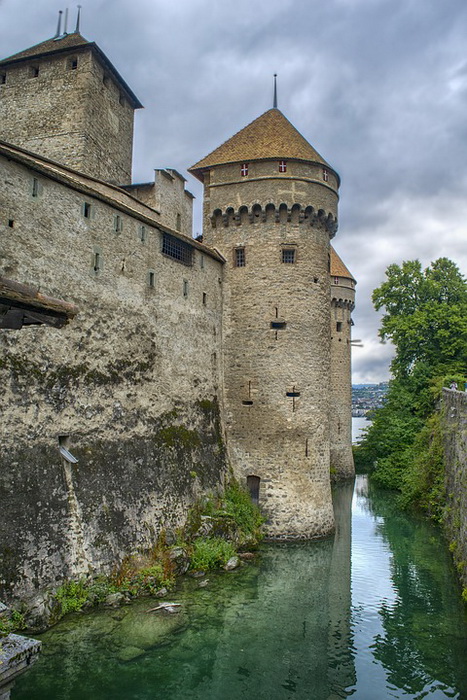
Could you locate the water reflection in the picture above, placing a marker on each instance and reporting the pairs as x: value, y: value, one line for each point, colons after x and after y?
x: 298, y: 625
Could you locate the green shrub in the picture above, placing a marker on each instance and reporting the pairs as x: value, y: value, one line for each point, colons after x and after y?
x: 72, y: 595
x: 211, y: 553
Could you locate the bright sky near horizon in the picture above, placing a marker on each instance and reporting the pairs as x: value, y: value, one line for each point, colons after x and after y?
x: 378, y: 87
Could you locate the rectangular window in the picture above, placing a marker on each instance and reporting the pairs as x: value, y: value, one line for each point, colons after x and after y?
x: 177, y: 250
x: 288, y: 255
x: 151, y: 279
x: 239, y: 259
x: 278, y: 325
x: 142, y: 233
x: 201, y: 262
x: 34, y: 71
x: 118, y: 223
x: 86, y: 210
x: 338, y: 325
x: 244, y: 169
x: 185, y: 288
x: 35, y: 187
x: 97, y: 262
x: 205, y: 296
x: 2, y: 78
x: 72, y: 63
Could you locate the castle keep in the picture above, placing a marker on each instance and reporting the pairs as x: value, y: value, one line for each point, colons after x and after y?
x: 186, y: 358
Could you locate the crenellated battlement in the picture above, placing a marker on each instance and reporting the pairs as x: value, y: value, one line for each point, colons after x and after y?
x: 296, y: 214
x: 339, y: 302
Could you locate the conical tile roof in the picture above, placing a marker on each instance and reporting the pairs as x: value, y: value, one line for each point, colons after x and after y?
x: 338, y: 269
x: 270, y: 136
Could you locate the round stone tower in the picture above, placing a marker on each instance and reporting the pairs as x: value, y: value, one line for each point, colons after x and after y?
x: 270, y: 208
x: 342, y: 305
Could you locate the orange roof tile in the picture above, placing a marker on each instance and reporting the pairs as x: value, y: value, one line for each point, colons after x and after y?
x: 269, y: 136
x: 338, y: 269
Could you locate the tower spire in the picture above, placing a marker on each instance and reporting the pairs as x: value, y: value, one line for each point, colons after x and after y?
x: 77, y: 19
x: 274, y: 104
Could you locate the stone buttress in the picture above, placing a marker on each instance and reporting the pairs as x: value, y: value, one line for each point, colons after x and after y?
x: 270, y: 208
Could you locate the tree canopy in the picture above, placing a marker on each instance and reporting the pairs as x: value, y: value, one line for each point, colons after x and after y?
x: 425, y: 317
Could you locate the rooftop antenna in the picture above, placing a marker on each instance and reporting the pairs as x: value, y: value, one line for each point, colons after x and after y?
x: 65, y: 26
x: 77, y: 19
x: 59, y: 25
x: 274, y: 104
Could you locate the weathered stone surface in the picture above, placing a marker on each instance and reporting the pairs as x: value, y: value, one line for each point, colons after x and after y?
x: 233, y: 563
x: 454, y: 426
x: 17, y: 653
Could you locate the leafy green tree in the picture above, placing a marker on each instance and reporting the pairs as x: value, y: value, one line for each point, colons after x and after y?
x: 425, y: 317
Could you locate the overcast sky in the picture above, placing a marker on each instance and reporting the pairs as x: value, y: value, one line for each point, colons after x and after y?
x: 378, y: 87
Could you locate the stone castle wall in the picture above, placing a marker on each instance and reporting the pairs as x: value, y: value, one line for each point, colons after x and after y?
x: 276, y: 340
x: 131, y: 386
x: 342, y: 304
x: 76, y: 116
x: 454, y: 426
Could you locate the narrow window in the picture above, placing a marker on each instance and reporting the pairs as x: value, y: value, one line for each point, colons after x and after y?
x: 338, y: 326
x: 205, y: 296
x: 185, y: 288
x: 72, y: 63
x: 2, y: 78
x: 306, y: 447
x: 293, y: 395
x: 179, y: 222
x: 118, y: 223
x: 34, y: 71
x: 11, y: 223
x: 336, y: 280
x: 252, y: 484
x: 282, y: 166
x: 244, y: 169
x: 97, y: 262
x: 201, y: 262
x: 325, y: 175
x: 278, y: 325
x: 151, y: 279
x: 247, y: 402
x: 142, y: 233
x: 240, y: 260
x: 86, y: 210
x: 35, y: 187
x: 288, y: 255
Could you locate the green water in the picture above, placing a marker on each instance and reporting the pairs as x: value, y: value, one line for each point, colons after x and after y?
x: 372, y: 614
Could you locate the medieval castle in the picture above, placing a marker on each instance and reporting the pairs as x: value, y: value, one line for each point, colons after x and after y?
x: 183, y: 360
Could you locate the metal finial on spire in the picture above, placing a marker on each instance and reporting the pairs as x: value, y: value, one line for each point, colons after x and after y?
x: 65, y: 25
x: 59, y: 25
x: 274, y: 104
x: 78, y: 18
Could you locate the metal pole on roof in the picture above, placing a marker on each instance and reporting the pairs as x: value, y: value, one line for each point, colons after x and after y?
x: 59, y: 25
x: 78, y: 18
x: 65, y: 25
x: 274, y: 104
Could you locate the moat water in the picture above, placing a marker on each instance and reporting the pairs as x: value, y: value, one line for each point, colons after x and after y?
x: 373, y: 613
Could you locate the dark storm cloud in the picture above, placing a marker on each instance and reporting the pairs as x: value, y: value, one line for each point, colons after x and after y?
x: 379, y: 87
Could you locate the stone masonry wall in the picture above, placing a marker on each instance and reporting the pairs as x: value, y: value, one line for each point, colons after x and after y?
x: 130, y: 387
x: 277, y: 379
x: 342, y: 466
x: 454, y: 423
x: 78, y: 117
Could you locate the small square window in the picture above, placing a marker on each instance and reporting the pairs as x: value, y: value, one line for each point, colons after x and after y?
x: 244, y: 169
x: 282, y: 166
x: 72, y: 63
x: 325, y: 175
x: 240, y: 260
x: 288, y: 255
x: 34, y: 71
